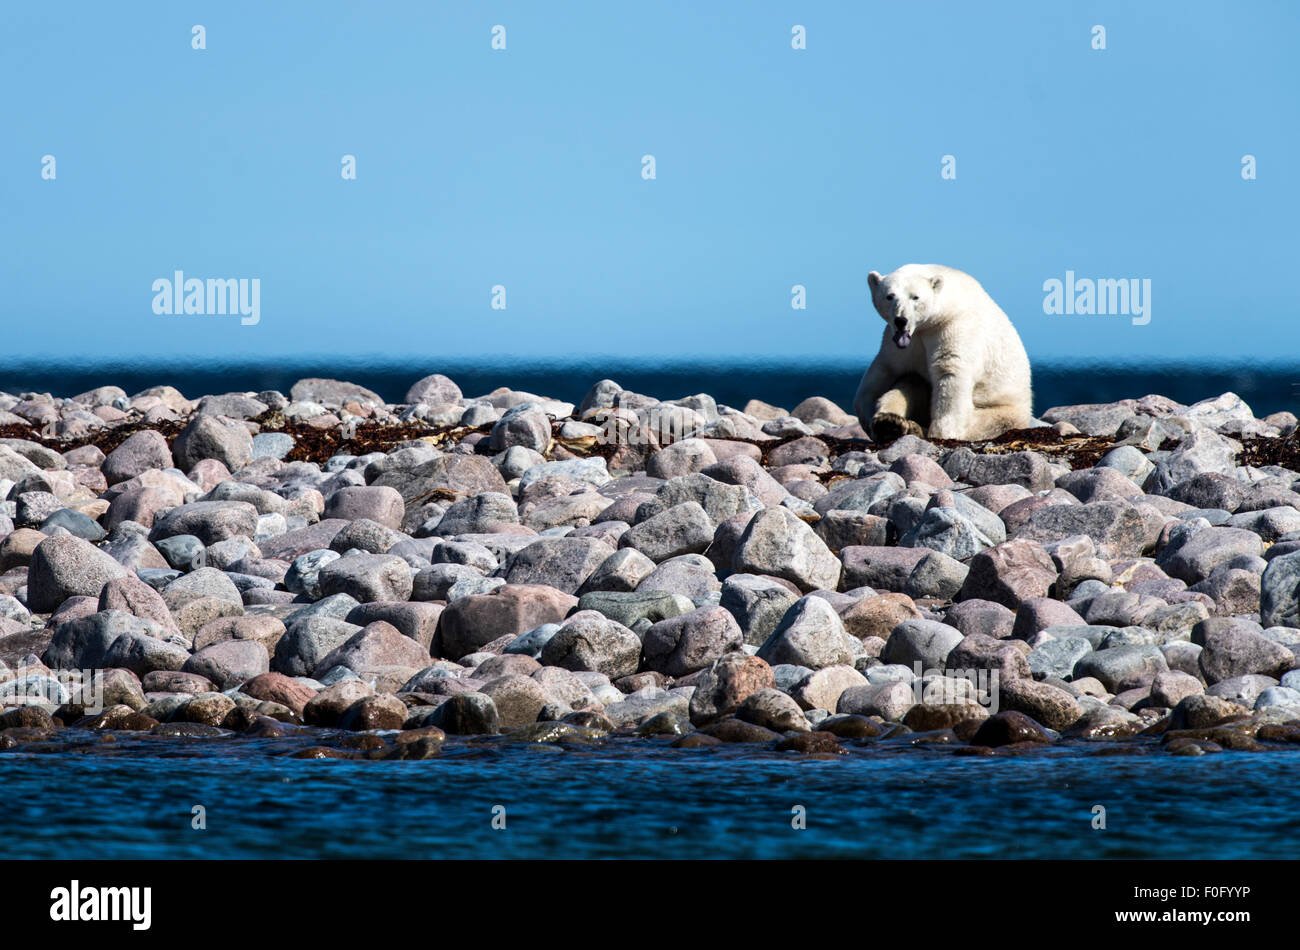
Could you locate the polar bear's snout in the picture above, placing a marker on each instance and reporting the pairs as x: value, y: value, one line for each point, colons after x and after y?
x: 902, y: 302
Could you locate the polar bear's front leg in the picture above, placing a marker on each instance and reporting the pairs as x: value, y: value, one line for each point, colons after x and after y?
x: 876, y: 381
x: 953, y: 398
x: 903, y: 410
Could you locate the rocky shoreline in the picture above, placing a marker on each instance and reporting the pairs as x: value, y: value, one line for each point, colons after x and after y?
x: 381, y: 580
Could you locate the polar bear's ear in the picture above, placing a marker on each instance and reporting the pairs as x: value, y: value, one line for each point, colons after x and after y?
x: 873, y: 280
x: 936, y: 283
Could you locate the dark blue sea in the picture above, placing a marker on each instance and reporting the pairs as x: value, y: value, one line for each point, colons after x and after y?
x: 1266, y: 387
x: 640, y: 799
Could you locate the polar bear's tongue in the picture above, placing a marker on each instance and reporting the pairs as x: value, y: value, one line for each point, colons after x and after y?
x: 902, y: 338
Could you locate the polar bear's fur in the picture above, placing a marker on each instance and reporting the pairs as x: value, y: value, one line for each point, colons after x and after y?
x: 950, y: 366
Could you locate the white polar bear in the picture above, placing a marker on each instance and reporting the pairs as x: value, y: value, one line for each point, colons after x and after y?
x: 949, y: 360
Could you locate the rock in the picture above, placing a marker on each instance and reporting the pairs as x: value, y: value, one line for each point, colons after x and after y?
x: 1122, y: 668
x: 134, y: 596
x: 732, y: 679
x: 278, y: 688
x: 1195, y: 549
x: 936, y: 575
x: 1201, y: 450
x: 1201, y: 712
x: 926, y: 642
x: 213, y: 437
x: 307, y: 642
x: 773, y: 710
x: 757, y: 603
x: 207, y: 582
x: 646, y: 704
x: 1129, y: 462
x: 136, y: 455
x: 691, y: 641
x: 1116, y: 525
x: 230, y: 662
x: 629, y: 608
x: 477, y: 514
x: 948, y: 531
x: 64, y: 566
x: 1236, y: 652
x: 468, y: 713
x: 417, y: 621
x: 434, y: 390
x: 374, y: 712
x: 379, y: 646
x: 474, y: 621
x: 1039, y: 613
x: 810, y: 634
x: 207, y: 709
x: 590, y: 641
x: 209, y: 521
x: 378, y: 503
x: 1279, y: 592
x: 332, y: 393
x: 978, y: 651
x: 367, y: 578
x: 822, y: 689
x: 889, y: 701
x: 1282, y: 697
x: 1045, y: 704
x: 981, y: 616
x: 719, y: 499
x: 518, y: 699
x: 622, y: 572
x: 1027, y: 469
x: 682, y: 529
x: 1009, y: 573
x: 747, y: 473
x: 1171, y: 687
x: 680, y: 458
x: 562, y: 563
x: 776, y: 542
x: 261, y: 627
x: 842, y: 529
x: 1008, y: 727
x: 884, y: 568
x: 1058, y: 657
x: 1209, y: 490
x: 452, y: 473
x: 141, y: 652
x: 525, y: 425
x: 327, y: 707
x: 876, y: 616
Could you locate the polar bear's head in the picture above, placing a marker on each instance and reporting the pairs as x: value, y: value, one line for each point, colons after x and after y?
x: 905, y: 299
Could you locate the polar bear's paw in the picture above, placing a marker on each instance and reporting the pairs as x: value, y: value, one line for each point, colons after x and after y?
x: 887, y: 426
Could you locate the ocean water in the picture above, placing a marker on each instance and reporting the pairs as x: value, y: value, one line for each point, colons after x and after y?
x: 1266, y: 388
x: 640, y: 799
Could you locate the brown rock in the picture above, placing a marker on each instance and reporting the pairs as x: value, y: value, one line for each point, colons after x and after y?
x: 726, y: 684
x: 278, y: 688
x: 1009, y: 573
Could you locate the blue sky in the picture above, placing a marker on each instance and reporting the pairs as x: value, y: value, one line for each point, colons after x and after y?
x: 522, y: 168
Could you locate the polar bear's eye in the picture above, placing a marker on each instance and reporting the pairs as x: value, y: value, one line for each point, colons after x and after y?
x: 915, y: 297
x: 889, y: 297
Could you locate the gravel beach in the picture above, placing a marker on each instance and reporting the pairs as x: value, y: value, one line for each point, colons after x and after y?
x: 379, y: 580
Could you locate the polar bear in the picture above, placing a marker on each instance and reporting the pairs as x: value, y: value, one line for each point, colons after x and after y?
x: 950, y: 366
